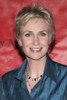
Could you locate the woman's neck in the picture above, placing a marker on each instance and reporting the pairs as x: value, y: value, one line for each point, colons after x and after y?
x: 36, y: 68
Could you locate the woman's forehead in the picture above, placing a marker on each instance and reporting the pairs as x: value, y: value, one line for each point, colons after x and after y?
x: 34, y: 23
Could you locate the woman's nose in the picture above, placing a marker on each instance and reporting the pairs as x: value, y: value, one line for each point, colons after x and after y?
x: 35, y: 40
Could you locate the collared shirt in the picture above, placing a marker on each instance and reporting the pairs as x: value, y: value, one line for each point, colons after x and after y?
x: 52, y: 86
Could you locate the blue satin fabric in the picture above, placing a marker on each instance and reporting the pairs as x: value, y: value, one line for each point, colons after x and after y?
x: 52, y: 86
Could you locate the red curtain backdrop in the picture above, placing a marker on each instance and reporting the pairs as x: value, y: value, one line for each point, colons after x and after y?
x: 9, y: 56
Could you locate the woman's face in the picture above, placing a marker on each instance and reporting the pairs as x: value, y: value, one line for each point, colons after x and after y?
x: 34, y: 38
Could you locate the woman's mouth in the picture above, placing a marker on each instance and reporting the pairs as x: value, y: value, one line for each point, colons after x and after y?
x: 36, y: 49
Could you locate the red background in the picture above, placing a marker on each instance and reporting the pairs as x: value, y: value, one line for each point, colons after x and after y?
x: 9, y: 56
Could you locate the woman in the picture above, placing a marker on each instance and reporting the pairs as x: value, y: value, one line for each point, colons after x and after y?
x: 38, y: 78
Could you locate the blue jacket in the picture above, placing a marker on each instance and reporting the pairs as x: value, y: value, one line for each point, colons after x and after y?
x: 52, y: 86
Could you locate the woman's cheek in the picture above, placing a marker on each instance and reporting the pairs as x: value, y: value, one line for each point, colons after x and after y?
x: 45, y: 41
x: 26, y: 42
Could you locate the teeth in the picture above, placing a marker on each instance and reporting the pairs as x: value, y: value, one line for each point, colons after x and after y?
x: 35, y: 49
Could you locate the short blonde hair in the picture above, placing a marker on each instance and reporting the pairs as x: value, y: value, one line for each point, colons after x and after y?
x: 34, y: 11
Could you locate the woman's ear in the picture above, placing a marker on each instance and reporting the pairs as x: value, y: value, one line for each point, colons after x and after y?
x: 20, y: 43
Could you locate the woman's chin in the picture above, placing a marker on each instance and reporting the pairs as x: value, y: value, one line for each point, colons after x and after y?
x: 36, y: 58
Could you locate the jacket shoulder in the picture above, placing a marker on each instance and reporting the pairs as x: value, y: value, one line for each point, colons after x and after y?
x: 10, y: 74
x: 61, y: 66
x: 57, y: 65
x: 61, y: 70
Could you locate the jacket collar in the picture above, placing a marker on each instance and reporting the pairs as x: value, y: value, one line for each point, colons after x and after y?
x: 50, y: 70
x: 21, y: 71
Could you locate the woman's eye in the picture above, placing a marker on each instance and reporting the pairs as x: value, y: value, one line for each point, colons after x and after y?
x: 43, y: 34
x: 27, y: 35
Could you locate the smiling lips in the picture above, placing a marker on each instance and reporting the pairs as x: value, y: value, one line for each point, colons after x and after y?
x: 36, y: 49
